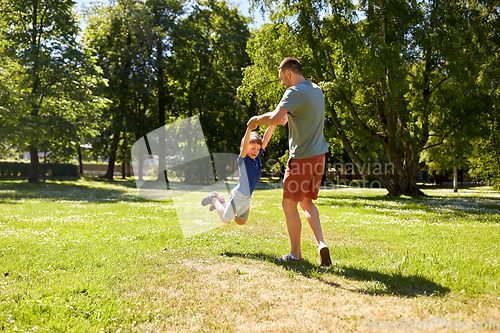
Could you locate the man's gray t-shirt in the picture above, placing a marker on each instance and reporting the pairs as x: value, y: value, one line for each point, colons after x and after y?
x: 306, y: 120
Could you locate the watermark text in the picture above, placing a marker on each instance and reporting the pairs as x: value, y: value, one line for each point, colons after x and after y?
x: 431, y: 324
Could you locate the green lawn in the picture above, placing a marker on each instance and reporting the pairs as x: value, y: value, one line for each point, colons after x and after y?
x: 93, y: 256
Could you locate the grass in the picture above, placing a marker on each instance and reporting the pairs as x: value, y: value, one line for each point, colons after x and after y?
x: 92, y: 256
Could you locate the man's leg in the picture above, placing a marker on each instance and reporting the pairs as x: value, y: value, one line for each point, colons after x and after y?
x: 294, y: 226
x: 312, y: 216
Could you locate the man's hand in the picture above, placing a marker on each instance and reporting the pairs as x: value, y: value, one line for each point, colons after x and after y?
x: 284, y: 120
x: 253, y: 123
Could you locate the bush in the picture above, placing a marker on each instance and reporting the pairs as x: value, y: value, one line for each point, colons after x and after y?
x: 14, y: 169
x: 22, y: 169
x: 60, y: 169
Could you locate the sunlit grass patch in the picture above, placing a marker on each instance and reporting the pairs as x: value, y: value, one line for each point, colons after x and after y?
x: 451, y: 240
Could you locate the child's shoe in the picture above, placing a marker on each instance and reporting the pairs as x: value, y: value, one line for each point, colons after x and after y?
x: 221, y: 200
x: 207, y: 200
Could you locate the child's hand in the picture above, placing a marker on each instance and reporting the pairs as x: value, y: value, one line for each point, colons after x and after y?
x: 283, y: 120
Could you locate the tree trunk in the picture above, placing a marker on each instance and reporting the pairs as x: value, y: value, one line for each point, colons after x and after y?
x: 496, y: 155
x: 162, y: 96
x: 128, y: 169
x: 34, y: 164
x: 33, y: 178
x: 455, y: 179
x: 455, y: 173
x: 410, y: 155
x: 124, y: 154
x: 426, y: 94
x: 119, y: 126
x: 80, y: 160
x: 44, y: 165
x: 112, y: 156
x: 382, y: 179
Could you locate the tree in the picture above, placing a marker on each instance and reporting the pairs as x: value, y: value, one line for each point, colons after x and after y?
x: 10, y: 98
x: 131, y: 39
x: 54, y: 75
x: 111, y: 35
x: 209, y: 52
x: 382, y: 65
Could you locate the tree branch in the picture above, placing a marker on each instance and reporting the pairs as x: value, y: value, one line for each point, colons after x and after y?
x: 382, y: 119
x: 360, y: 164
x: 448, y: 132
x: 321, y: 39
x: 42, y: 21
x: 439, y: 84
x: 368, y: 132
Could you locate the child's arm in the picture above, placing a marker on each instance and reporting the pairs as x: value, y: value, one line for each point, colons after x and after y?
x: 245, y: 143
x: 267, y: 136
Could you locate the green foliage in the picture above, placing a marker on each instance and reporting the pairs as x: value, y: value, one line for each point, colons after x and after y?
x: 484, y: 159
x: 399, y: 76
x: 267, y: 47
x: 51, y: 77
x: 163, y: 63
x: 209, y: 54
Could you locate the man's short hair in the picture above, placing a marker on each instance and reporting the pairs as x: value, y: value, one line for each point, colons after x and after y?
x: 254, y: 138
x: 291, y: 64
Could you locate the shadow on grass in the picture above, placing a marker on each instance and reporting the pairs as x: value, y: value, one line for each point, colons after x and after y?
x: 375, y: 283
x: 13, y: 191
x: 464, y: 205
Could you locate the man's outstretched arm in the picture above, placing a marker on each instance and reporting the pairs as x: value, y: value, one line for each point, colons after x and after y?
x: 270, y: 118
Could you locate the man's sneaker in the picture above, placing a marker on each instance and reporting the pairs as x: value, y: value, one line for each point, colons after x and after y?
x: 221, y: 200
x: 207, y: 200
x: 288, y: 257
x: 324, y: 255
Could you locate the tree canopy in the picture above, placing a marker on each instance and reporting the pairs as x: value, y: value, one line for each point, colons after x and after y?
x: 409, y: 84
x: 400, y: 77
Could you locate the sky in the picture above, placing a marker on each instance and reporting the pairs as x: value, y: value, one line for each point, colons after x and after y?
x: 243, y: 7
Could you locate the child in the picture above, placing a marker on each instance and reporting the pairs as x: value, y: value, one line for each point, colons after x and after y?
x: 249, y: 164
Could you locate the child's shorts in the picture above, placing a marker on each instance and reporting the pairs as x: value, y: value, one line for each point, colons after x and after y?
x: 237, y: 205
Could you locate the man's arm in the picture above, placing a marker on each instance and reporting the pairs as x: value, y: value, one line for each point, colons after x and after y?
x: 246, y: 142
x: 269, y: 118
x: 267, y: 136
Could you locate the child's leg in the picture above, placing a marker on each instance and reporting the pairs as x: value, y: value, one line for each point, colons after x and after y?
x: 242, y: 219
x: 219, y: 207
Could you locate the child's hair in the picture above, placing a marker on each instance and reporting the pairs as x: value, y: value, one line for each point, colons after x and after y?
x: 254, y: 138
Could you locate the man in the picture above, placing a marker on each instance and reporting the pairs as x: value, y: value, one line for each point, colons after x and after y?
x: 304, y: 103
